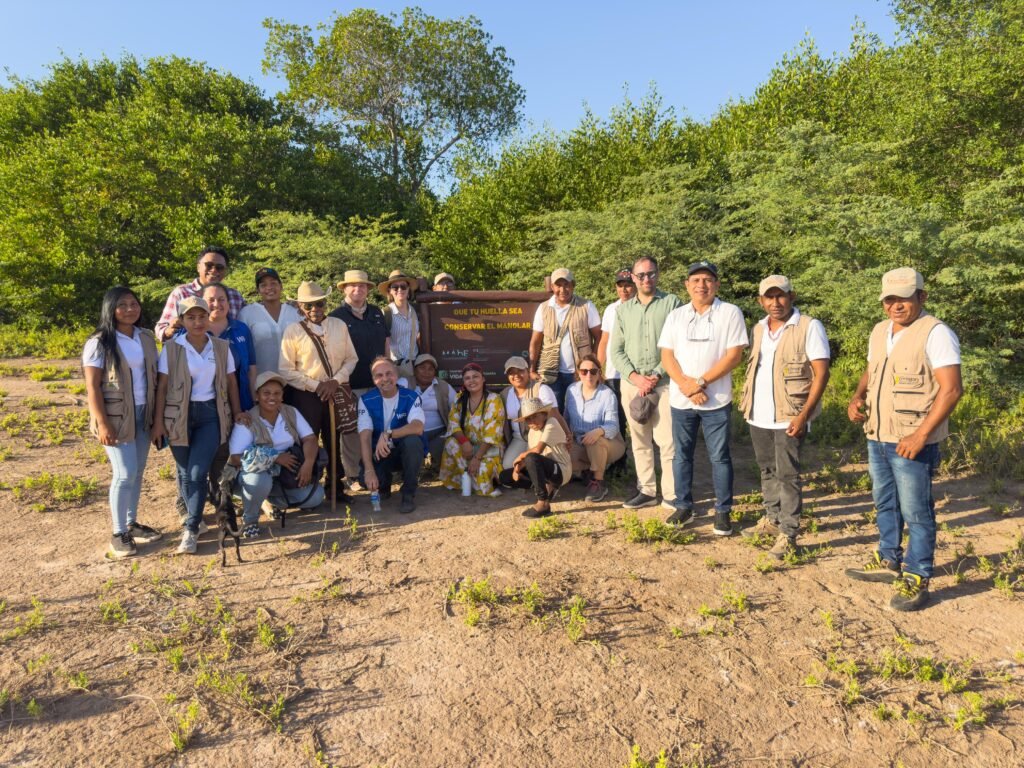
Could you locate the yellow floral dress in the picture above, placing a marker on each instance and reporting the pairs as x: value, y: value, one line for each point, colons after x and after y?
x: 485, y: 425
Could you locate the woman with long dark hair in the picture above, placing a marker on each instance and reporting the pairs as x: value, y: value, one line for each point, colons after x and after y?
x: 119, y: 363
x: 476, y: 433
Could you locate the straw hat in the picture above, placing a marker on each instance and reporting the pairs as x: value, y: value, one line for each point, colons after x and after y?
x: 310, y: 291
x: 355, y: 277
x: 532, y: 406
x: 395, y: 276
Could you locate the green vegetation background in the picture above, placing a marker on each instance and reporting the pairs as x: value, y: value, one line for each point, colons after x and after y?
x: 835, y: 170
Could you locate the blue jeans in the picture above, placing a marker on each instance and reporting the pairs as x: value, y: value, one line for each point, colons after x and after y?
x: 560, y: 386
x: 902, y: 491
x: 128, y: 463
x: 716, y: 425
x: 194, y: 459
x: 256, y: 488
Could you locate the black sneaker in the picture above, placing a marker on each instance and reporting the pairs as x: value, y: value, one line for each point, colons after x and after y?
x: 680, y: 517
x: 640, y: 501
x: 122, y: 545
x: 911, y: 592
x: 533, y: 512
x: 408, y: 505
x: 876, y: 569
x: 723, y: 524
x: 144, y: 534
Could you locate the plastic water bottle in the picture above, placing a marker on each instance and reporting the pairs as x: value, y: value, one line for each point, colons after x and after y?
x: 467, y: 484
x: 375, y: 501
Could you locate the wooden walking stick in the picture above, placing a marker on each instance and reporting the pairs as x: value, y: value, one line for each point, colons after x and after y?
x: 334, y: 460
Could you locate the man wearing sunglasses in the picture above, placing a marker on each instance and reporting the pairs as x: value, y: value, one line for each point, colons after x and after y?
x: 700, y: 345
x: 212, y: 267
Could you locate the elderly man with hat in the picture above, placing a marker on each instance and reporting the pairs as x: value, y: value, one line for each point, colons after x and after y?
x: 401, y: 321
x: 212, y: 267
x: 436, y: 398
x: 644, y: 385
x: 787, y: 372
x: 268, y: 318
x: 370, y: 337
x: 701, y: 343
x: 316, y: 362
x: 565, y: 328
x: 904, y: 400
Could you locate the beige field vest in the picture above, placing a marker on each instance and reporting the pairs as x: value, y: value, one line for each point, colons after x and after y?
x: 901, y: 386
x: 260, y: 433
x: 532, y: 391
x: 792, y: 372
x: 119, y: 393
x: 179, y: 391
x: 579, y: 334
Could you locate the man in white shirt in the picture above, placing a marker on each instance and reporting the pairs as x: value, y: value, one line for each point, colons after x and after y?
x: 436, y: 398
x: 786, y: 377
x: 565, y: 328
x: 700, y: 344
x: 625, y: 288
x: 391, y: 434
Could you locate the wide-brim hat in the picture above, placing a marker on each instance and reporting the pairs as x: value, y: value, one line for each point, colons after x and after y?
x: 355, y: 277
x: 310, y: 291
x: 531, y: 406
x: 267, y: 376
x: 395, y: 276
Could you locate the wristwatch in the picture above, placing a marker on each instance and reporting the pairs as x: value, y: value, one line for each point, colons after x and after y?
x: 701, y: 382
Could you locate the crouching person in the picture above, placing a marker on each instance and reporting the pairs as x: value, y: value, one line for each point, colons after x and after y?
x: 263, y: 448
x: 544, y: 466
x: 391, y: 434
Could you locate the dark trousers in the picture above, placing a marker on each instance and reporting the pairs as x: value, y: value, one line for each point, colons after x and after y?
x: 778, y: 457
x: 194, y: 459
x: 560, y: 386
x: 540, y: 470
x: 318, y: 414
x: 406, y: 457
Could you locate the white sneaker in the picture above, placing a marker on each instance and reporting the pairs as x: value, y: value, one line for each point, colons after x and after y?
x: 188, y: 543
x: 203, y: 527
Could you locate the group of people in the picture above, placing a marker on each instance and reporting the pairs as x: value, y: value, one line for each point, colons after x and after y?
x: 253, y: 390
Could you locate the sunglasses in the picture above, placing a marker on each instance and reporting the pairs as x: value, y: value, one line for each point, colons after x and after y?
x: 399, y: 287
x: 645, y: 275
x: 313, y: 304
x: 589, y: 371
x: 211, y: 265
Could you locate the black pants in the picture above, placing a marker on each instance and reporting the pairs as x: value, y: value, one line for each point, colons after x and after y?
x: 540, y: 470
x: 407, y: 457
x: 778, y: 457
x: 317, y: 413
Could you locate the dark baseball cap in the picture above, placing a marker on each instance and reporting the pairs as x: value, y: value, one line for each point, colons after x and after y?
x: 624, y: 275
x: 702, y: 266
x: 266, y: 272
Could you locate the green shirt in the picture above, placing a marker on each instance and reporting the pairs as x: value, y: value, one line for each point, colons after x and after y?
x: 638, y: 326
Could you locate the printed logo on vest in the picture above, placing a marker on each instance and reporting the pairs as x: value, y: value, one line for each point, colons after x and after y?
x: 908, y: 380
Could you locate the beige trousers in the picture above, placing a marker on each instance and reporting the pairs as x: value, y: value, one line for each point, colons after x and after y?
x: 598, y: 456
x: 657, y: 431
x: 516, y: 446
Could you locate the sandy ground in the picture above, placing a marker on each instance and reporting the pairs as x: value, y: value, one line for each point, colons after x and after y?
x: 329, y: 646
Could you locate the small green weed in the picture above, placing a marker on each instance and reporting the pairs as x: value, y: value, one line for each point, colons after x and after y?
x: 573, y: 618
x: 653, y: 531
x: 113, y: 612
x: 547, y: 528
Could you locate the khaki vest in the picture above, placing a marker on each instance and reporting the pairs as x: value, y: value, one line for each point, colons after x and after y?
x: 901, y: 386
x: 443, y: 405
x: 260, y: 433
x: 179, y: 391
x: 119, y: 394
x: 532, y: 391
x: 579, y: 335
x: 792, y: 372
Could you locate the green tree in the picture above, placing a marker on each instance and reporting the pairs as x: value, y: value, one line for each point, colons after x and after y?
x: 406, y: 90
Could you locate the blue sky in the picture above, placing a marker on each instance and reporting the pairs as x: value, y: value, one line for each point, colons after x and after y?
x: 699, y: 54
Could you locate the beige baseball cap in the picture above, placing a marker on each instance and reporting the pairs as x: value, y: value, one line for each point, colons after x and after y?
x: 516, y: 362
x: 424, y: 357
x: 192, y: 302
x: 268, y: 376
x: 441, y: 276
x: 562, y: 274
x: 775, y: 281
x: 903, y: 282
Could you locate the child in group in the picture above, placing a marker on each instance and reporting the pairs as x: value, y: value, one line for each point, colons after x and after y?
x: 544, y: 466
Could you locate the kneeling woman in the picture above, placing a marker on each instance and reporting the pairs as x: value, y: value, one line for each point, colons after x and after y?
x: 196, y: 403
x: 592, y: 411
x: 476, y: 432
x: 545, y: 465
x: 274, y: 428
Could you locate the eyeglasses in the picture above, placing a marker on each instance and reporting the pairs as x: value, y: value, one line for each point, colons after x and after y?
x: 589, y: 371
x: 699, y: 328
x: 645, y: 275
x: 313, y: 304
x: 399, y: 287
x: 213, y: 265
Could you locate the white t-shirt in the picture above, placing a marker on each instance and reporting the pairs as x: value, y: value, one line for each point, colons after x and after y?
x: 544, y: 393
x: 763, y: 413
x: 700, y: 341
x: 566, y: 362
x: 130, y: 348
x: 942, y: 348
x: 241, y: 436
x: 608, y: 326
x: 433, y: 419
x: 267, y: 332
x: 365, y: 423
x: 202, y: 367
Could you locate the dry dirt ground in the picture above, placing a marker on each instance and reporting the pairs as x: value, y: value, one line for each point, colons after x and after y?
x: 343, y: 642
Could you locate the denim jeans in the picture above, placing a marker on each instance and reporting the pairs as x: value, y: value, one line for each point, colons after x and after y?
x: 257, y: 487
x: 778, y: 458
x: 194, y: 459
x: 560, y: 386
x: 716, y: 425
x: 902, y: 491
x: 128, y: 463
